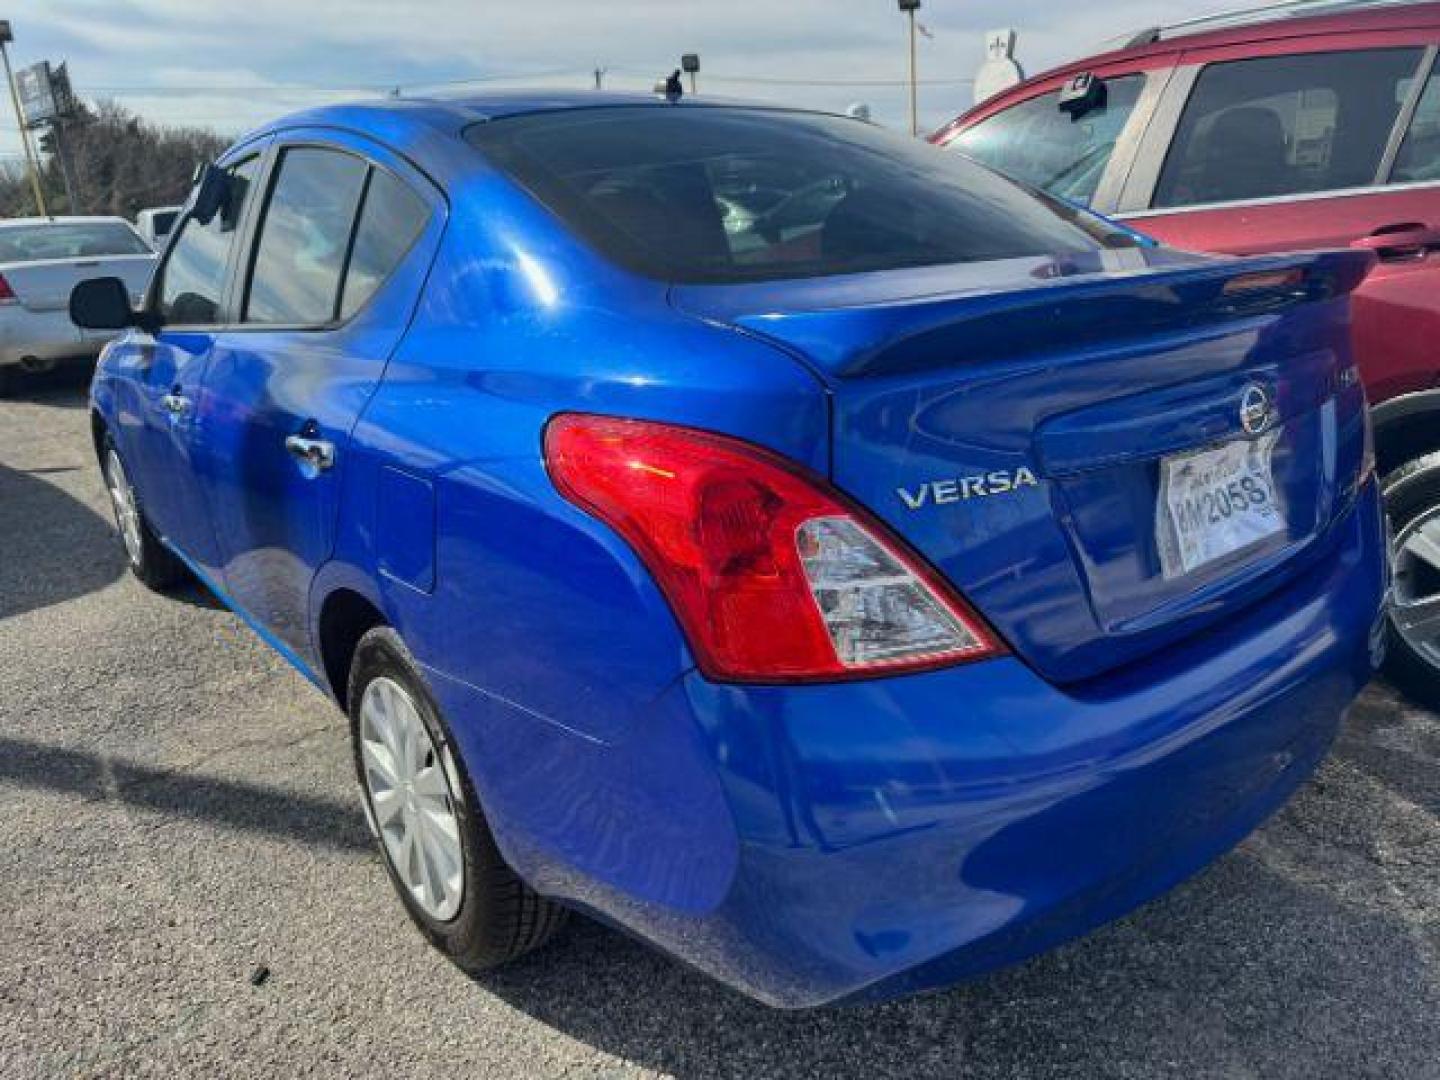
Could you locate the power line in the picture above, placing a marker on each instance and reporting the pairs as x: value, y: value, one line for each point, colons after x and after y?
x: 299, y: 90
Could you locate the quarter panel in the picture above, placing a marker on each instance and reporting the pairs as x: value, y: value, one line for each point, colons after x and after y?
x: 535, y: 601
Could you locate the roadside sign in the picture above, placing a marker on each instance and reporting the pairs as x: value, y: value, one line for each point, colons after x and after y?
x: 37, y: 96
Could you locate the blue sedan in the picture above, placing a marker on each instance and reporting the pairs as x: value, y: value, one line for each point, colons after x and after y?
x: 802, y: 548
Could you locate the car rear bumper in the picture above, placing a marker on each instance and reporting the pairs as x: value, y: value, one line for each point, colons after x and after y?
x: 863, y: 840
x: 44, y: 335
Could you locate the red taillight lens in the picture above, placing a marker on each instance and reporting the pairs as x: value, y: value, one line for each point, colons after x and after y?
x: 773, y: 575
x: 7, y: 294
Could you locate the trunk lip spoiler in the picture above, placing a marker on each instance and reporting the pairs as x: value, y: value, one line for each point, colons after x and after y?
x: 861, y: 337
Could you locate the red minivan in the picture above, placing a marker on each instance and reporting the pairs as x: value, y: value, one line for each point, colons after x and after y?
x: 1274, y: 131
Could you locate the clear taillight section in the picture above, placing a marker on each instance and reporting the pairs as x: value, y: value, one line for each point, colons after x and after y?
x: 773, y: 575
x: 875, y: 610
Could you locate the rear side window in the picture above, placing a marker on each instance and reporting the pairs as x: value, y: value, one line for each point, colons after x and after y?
x: 1049, y: 149
x: 717, y: 194
x: 1419, y: 157
x: 69, y: 240
x: 1286, y: 125
x: 304, y: 237
x: 391, y: 220
x: 192, y: 280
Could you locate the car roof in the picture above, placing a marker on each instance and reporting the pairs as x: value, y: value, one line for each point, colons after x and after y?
x: 454, y: 112
x: 1275, y: 22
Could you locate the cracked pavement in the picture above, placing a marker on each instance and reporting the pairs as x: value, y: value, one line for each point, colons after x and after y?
x: 179, y: 809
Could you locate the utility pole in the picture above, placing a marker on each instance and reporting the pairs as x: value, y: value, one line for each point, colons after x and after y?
x: 33, y: 167
x: 60, y: 140
x: 909, y: 7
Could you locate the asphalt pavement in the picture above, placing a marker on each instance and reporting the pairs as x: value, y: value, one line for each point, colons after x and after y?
x: 187, y: 886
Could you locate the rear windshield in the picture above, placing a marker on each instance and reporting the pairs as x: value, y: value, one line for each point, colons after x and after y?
x: 69, y: 240
x: 716, y: 194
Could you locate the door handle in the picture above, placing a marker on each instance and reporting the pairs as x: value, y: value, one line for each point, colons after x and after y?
x: 1402, y: 240
x: 175, y: 404
x: 317, y: 453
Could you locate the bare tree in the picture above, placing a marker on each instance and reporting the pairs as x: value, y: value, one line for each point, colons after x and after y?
x: 122, y: 164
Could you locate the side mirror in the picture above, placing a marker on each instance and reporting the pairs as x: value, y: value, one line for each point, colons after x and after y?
x: 1083, y: 93
x: 212, y: 192
x: 101, y: 304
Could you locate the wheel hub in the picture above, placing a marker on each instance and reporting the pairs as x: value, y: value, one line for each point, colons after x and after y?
x: 411, y: 798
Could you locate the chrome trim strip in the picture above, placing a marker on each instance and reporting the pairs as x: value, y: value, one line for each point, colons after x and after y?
x: 1145, y: 172
x: 1280, y: 200
x: 1131, y: 138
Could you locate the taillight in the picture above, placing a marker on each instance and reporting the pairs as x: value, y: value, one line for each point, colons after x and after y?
x: 7, y: 294
x: 773, y: 575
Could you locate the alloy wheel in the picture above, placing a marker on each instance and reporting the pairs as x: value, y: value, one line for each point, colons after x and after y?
x: 412, y: 799
x: 1415, y: 611
x: 122, y: 500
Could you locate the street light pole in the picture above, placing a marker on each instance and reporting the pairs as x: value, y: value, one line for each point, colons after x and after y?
x: 33, y: 166
x: 909, y: 7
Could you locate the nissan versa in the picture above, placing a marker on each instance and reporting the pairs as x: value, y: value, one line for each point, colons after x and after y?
x: 792, y: 543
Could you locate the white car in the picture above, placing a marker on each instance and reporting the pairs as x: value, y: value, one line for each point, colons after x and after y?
x: 41, y: 260
x: 156, y: 224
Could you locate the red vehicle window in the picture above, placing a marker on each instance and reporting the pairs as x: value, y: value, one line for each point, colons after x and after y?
x: 1419, y: 157
x: 1285, y: 125
x: 1037, y: 143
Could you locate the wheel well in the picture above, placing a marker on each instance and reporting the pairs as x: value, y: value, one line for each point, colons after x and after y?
x: 97, y: 433
x: 345, y: 618
x: 1404, y: 439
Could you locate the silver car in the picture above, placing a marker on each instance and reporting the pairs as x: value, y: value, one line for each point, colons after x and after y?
x: 41, y: 259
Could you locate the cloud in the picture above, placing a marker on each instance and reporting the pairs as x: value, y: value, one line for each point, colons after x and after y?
x: 233, y: 65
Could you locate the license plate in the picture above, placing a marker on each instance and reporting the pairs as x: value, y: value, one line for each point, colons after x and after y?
x: 1215, y: 502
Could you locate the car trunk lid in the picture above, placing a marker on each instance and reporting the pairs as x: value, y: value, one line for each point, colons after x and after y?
x: 45, y: 285
x: 1046, y: 431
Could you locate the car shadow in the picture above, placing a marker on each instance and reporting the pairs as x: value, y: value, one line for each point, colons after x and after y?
x: 307, y: 819
x: 55, y: 548
x: 65, y: 387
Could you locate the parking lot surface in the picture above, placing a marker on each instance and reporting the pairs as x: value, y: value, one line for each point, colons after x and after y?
x: 179, y: 817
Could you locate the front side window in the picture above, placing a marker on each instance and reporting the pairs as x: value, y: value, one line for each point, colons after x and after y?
x: 1039, y: 144
x: 714, y: 194
x: 304, y: 236
x: 192, y: 280
x: 1285, y: 125
x: 1419, y: 157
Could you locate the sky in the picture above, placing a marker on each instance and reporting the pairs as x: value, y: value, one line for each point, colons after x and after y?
x: 232, y: 65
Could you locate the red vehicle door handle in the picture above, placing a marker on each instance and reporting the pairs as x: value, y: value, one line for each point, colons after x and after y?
x: 1404, y: 240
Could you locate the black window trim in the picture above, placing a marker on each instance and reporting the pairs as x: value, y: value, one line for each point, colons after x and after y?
x: 245, y: 276
x: 151, y: 306
x: 235, y: 293
x: 1186, y: 88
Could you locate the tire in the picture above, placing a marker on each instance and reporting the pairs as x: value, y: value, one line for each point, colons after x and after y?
x: 1412, y: 504
x: 495, y: 917
x: 7, y: 380
x: 149, y: 560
